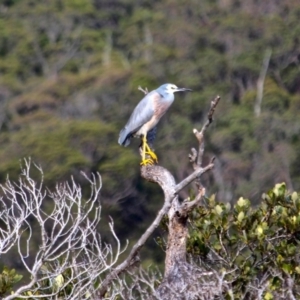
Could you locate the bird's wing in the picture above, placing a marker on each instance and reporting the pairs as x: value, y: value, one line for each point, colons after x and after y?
x: 143, y: 112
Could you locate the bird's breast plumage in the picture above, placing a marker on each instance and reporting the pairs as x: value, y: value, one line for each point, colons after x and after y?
x: 161, y: 105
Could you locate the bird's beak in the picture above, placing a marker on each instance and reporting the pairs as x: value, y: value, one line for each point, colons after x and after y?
x: 183, y: 90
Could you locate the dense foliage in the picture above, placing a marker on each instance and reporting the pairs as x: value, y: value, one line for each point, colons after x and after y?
x: 256, y: 249
x: 69, y: 72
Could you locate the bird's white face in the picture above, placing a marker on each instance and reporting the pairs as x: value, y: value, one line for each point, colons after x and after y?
x: 171, y: 88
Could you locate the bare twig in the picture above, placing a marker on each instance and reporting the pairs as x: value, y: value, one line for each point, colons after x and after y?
x: 187, y: 206
x: 145, y: 91
x: 200, y: 134
x: 195, y: 156
x: 192, y: 177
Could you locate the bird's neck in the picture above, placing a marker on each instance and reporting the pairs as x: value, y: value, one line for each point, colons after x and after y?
x: 167, y: 97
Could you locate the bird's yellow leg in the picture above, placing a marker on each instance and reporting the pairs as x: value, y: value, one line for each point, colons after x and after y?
x: 145, y: 161
x: 151, y: 153
x: 148, y: 150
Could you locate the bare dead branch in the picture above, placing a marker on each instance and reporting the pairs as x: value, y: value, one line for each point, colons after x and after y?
x: 193, y: 158
x: 188, y: 206
x: 192, y: 177
x: 71, y: 254
x: 200, y: 134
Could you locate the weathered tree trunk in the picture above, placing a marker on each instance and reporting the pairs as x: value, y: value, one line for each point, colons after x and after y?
x: 176, y: 246
x: 182, y: 280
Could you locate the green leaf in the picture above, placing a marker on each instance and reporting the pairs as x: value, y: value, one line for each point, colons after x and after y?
x: 242, y: 202
x: 259, y: 230
x: 268, y: 296
x: 295, y: 197
x: 58, y: 282
x: 241, y: 216
x: 228, y: 206
x: 287, y: 268
x: 17, y: 278
x: 279, y: 189
x: 212, y: 200
x: 218, y: 209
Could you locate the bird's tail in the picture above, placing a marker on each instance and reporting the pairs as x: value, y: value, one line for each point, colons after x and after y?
x: 124, y: 139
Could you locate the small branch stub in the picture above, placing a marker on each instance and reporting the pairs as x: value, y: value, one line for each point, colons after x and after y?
x: 145, y: 91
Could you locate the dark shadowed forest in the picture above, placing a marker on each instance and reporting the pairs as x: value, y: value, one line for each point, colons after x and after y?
x: 69, y: 77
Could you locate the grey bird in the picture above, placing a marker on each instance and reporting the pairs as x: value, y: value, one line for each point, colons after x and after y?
x: 145, y: 117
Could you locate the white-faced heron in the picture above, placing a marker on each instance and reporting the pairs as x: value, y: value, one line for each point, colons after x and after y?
x: 145, y: 117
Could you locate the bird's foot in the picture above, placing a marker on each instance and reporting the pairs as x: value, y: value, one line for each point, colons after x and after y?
x: 147, y: 151
x: 152, y: 155
x: 147, y: 162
